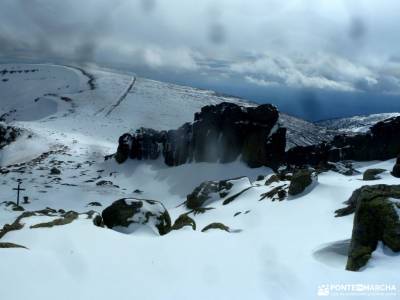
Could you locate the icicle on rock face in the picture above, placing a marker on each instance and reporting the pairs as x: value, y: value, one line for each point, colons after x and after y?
x: 220, y: 133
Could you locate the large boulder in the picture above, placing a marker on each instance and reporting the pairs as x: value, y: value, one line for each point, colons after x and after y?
x: 8, y: 134
x: 372, y: 174
x: 376, y: 219
x: 143, y: 144
x: 301, y: 179
x: 124, y: 147
x: 211, y: 191
x: 127, y: 215
x: 396, y: 168
x: 220, y: 133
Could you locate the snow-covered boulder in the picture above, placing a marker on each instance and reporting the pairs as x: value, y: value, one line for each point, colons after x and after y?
x: 211, y: 191
x: 220, y: 133
x: 377, y: 218
x: 126, y: 215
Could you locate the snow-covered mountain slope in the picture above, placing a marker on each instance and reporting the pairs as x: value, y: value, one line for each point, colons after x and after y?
x: 356, y: 124
x: 303, y: 133
x: 95, y: 98
x: 72, y: 118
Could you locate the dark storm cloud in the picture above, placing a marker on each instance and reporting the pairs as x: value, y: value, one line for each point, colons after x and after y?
x: 66, y: 29
x: 148, y: 5
x: 358, y: 29
x: 217, y: 33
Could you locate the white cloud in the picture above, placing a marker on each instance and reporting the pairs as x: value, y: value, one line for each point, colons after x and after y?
x: 337, y: 45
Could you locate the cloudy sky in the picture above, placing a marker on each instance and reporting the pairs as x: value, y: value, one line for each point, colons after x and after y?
x: 313, y: 58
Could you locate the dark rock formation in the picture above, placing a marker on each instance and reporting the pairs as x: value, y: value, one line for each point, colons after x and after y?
x: 380, y: 143
x: 210, y: 191
x: 301, y: 179
x: 372, y: 174
x: 342, y: 167
x: 396, y: 168
x: 126, y: 212
x: 220, y: 132
x: 219, y: 226
x: 95, y: 203
x: 66, y: 219
x: 308, y: 155
x: 11, y: 245
x: 376, y: 219
x: 106, y: 183
x: 143, y: 144
x: 8, y: 135
x: 182, y: 221
x: 13, y: 206
x: 277, y: 193
x: 55, y: 171
x: 63, y: 218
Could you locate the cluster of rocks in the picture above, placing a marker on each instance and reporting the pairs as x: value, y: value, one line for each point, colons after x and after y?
x: 210, y: 191
x: 380, y: 143
x: 126, y: 215
x: 8, y: 134
x: 376, y: 219
x: 60, y: 218
x: 219, y: 133
x: 224, y: 132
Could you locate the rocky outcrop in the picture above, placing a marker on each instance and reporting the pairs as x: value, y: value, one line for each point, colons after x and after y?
x: 372, y: 174
x: 55, y: 171
x: 301, y: 179
x: 278, y: 193
x: 220, y: 133
x: 183, y: 221
x: 380, y: 143
x: 342, y: 167
x: 308, y: 155
x: 8, y: 135
x: 11, y: 245
x: 211, y: 191
x: 66, y: 219
x: 377, y: 218
x: 396, y: 168
x: 218, y: 226
x: 132, y: 213
x: 60, y: 218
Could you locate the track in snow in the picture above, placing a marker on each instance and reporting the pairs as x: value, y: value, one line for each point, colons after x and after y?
x: 91, y: 79
x: 123, y: 96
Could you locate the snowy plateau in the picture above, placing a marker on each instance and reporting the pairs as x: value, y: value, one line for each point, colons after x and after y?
x: 69, y: 119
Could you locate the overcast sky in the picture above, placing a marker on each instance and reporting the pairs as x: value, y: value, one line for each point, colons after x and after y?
x: 312, y: 52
